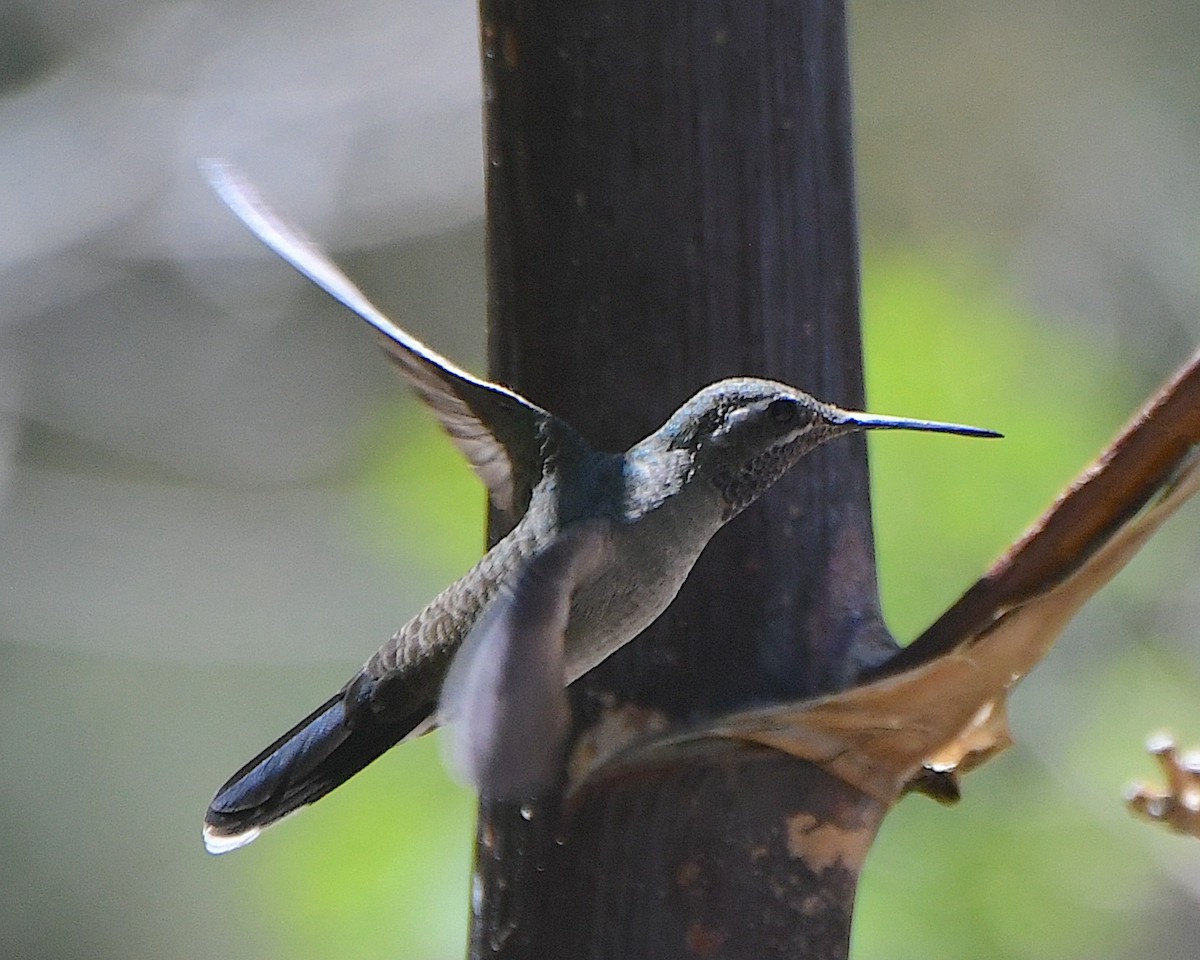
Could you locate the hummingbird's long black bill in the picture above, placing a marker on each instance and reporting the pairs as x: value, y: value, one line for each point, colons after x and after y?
x: 873, y: 421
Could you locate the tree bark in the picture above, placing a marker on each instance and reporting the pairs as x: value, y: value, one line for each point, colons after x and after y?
x: 670, y: 201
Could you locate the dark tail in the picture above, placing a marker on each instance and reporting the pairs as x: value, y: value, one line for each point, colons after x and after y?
x: 318, y: 754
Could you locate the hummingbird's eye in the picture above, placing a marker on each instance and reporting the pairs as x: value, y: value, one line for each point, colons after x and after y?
x: 782, y: 411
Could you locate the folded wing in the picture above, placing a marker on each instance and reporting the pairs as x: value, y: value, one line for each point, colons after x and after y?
x: 504, y: 699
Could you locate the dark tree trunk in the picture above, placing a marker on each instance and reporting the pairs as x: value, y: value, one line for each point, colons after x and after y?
x: 670, y: 201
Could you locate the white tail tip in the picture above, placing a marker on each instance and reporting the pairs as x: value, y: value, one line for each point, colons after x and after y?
x: 217, y: 843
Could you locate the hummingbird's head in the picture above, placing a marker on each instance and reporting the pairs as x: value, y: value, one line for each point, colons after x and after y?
x: 741, y: 435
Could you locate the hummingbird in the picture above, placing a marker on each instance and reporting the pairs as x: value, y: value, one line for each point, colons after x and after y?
x: 598, y: 546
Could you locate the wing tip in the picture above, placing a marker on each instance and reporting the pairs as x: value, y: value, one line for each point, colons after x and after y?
x: 225, y: 179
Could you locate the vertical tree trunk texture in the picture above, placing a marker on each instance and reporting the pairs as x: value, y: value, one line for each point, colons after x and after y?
x: 670, y: 202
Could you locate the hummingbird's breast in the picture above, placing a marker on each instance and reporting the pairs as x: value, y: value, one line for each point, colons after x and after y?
x: 648, y: 559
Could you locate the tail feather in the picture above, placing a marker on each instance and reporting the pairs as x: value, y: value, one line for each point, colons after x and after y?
x: 318, y: 754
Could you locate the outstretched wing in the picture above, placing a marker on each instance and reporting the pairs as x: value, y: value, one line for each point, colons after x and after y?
x: 497, y: 430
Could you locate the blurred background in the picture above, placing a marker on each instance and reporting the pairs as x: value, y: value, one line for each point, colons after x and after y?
x: 215, y: 502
